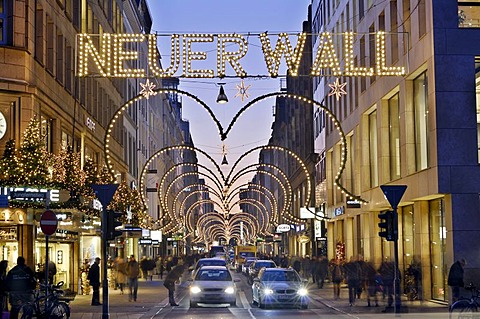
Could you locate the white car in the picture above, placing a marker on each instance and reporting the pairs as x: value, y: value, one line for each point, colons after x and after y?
x: 279, y: 287
x: 213, y: 285
x: 207, y: 262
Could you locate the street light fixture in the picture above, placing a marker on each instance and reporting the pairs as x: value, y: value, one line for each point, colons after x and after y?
x: 222, y: 97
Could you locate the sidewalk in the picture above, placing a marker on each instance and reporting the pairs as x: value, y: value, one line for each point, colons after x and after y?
x: 325, y: 296
x: 152, y: 296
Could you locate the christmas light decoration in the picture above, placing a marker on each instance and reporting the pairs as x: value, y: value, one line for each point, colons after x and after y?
x: 242, y: 91
x: 337, y: 89
x: 147, y: 89
x: 109, y: 59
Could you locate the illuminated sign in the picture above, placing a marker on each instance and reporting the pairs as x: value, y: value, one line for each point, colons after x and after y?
x: 107, y: 59
x: 31, y: 194
x: 283, y: 228
x: 90, y: 124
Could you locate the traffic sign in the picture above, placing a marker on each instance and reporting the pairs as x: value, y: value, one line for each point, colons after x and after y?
x: 48, y: 222
x: 104, y: 193
x: 393, y: 193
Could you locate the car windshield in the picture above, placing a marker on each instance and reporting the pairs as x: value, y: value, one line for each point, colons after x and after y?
x: 212, y: 262
x: 264, y: 264
x: 280, y: 276
x: 213, y: 275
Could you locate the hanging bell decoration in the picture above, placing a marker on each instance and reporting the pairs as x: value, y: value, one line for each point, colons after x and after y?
x: 224, y: 161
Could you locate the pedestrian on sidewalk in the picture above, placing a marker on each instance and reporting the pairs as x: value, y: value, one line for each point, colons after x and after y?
x: 160, y: 267
x: 387, y: 271
x: 94, y: 279
x: 121, y: 275
x: 322, y: 271
x: 173, y: 276
x: 133, y: 271
x: 337, y: 278
x: 353, y: 274
x: 455, y: 278
x: 373, y: 281
x: 20, y: 284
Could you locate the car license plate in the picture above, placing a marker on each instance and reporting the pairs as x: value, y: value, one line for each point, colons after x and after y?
x: 283, y: 297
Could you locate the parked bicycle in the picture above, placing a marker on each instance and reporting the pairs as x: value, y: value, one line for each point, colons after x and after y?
x: 466, y: 307
x: 50, y: 306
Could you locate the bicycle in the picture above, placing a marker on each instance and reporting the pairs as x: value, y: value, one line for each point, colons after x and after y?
x: 466, y: 307
x: 46, y: 307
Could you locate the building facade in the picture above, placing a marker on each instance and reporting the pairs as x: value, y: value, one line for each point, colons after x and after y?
x: 418, y: 130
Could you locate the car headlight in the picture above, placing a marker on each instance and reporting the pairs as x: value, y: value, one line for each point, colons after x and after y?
x: 195, y: 290
x: 302, y: 292
x: 230, y: 290
x: 267, y: 291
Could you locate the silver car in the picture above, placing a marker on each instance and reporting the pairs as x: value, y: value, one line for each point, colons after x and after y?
x: 280, y: 287
x: 213, y: 285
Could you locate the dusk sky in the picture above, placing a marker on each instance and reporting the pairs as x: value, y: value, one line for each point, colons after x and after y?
x: 222, y: 16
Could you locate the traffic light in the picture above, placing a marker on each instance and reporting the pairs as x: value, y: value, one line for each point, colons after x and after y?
x: 113, y: 221
x: 387, y: 225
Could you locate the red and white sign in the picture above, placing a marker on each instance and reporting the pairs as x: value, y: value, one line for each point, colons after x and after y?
x: 48, y: 222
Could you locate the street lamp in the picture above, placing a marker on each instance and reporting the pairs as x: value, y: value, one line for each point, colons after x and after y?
x: 222, y: 97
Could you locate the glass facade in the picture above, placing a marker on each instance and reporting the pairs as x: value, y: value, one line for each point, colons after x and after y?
x: 438, y: 234
x: 420, y: 104
x: 394, y: 137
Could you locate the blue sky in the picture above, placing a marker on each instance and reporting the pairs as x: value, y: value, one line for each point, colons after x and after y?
x: 221, y: 16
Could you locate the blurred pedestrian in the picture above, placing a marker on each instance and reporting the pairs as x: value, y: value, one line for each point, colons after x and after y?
x: 3, y: 286
x: 322, y: 271
x: 94, y: 279
x: 337, y: 277
x: 455, y: 278
x: 387, y: 271
x: 20, y: 284
x: 173, y: 276
x: 121, y: 275
x: 353, y: 274
x: 373, y: 283
x: 133, y: 271
x: 160, y: 267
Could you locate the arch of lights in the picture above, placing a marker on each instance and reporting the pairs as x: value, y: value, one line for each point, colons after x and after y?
x: 265, y: 191
x: 223, y: 135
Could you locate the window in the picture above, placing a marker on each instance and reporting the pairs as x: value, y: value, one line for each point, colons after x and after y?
x: 477, y: 94
x: 3, y: 21
x: 373, y: 151
x: 438, y: 233
x: 39, y: 34
x: 46, y: 132
x: 393, y: 28
x: 422, y: 18
x: 60, y: 58
x: 50, y: 45
x: 394, y: 137
x: 420, y: 105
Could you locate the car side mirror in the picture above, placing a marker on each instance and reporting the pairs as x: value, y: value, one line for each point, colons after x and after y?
x: 236, y: 280
x: 305, y: 280
x: 256, y: 279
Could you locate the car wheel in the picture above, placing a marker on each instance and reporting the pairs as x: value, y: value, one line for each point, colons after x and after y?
x: 193, y: 304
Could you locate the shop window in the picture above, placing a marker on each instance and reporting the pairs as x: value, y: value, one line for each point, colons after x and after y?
x: 420, y: 104
x: 438, y: 234
x: 408, y: 234
x: 394, y: 137
x: 373, y: 150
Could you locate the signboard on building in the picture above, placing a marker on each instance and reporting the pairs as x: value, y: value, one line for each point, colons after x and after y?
x: 8, y: 233
x: 282, y: 228
x: 353, y: 203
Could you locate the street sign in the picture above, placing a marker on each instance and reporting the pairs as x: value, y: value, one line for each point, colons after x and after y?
x: 393, y: 193
x: 104, y: 193
x: 48, y: 223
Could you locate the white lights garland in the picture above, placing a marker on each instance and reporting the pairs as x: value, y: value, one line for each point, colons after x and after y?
x: 115, y: 51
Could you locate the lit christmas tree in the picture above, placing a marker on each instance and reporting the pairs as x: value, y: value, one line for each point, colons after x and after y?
x: 9, y: 169
x: 31, y: 157
x: 105, y: 177
x: 74, y: 178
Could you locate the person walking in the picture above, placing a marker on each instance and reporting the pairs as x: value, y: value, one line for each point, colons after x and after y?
x: 121, y: 275
x: 337, y: 278
x: 3, y: 286
x: 322, y: 271
x: 387, y: 272
x: 133, y: 271
x: 353, y: 274
x: 20, y: 284
x: 94, y: 279
x: 160, y: 267
x: 455, y: 278
x: 174, y: 275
